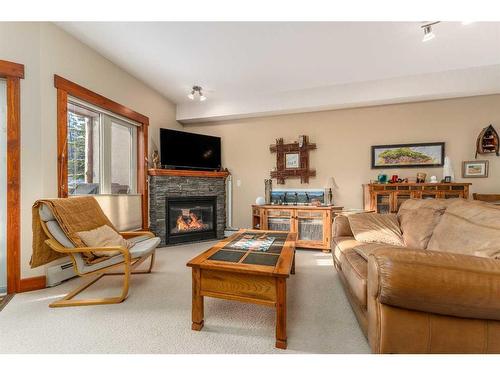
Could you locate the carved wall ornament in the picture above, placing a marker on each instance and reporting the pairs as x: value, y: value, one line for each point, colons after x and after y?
x: 292, y: 160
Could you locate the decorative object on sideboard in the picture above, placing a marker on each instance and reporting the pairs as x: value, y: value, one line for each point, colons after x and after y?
x: 475, y: 169
x: 260, y: 201
x: 330, y: 186
x: 447, y: 179
x: 300, y: 197
x: 408, y: 155
x: 488, y: 141
x: 382, y: 178
x: 421, y: 176
x: 268, y: 188
x: 292, y: 160
x: 448, y: 169
x: 433, y: 180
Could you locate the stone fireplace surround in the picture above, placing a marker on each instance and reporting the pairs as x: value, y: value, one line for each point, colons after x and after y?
x: 165, y: 183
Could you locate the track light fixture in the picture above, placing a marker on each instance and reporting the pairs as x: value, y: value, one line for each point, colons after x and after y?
x: 196, y: 92
x: 428, y: 33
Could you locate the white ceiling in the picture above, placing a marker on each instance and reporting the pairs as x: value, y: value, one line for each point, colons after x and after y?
x: 252, y: 68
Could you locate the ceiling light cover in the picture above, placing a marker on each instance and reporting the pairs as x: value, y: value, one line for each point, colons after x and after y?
x: 197, y: 94
x: 428, y: 34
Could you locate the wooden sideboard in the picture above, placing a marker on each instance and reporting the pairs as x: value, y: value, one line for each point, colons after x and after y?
x: 386, y: 198
x: 312, y: 224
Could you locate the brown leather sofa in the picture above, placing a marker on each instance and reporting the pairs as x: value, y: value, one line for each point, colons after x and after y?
x: 443, y: 298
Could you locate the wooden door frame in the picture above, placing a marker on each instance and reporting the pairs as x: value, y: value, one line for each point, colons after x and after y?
x: 13, y: 73
x: 67, y: 88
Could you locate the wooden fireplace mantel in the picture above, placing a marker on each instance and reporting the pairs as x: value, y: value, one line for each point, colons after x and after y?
x: 187, y: 173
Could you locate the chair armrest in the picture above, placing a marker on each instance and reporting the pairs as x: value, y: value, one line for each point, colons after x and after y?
x: 54, y: 245
x: 436, y: 282
x: 129, y: 234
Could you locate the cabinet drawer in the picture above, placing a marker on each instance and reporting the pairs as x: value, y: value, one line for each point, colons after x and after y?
x: 310, y: 214
x: 279, y: 213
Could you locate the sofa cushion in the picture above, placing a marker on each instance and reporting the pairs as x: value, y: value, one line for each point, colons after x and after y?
x: 468, y: 227
x: 355, y: 270
x: 373, y: 227
x: 365, y: 249
x: 418, y: 218
x: 341, y: 245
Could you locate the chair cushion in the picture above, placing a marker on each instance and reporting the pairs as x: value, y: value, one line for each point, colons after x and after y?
x: 418, y: 218
x: 373, y: 227
x: 45, y: 213
x: 139, y: 250
x: 103, y: 236
x: 56, y: 231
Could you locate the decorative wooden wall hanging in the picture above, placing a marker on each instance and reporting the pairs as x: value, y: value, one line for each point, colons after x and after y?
x: 488, y: 141
x: 292, y: 160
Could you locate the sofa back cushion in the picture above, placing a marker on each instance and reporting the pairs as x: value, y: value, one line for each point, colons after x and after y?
x: 378, y: 228
x: 468, y: 227
x: 418, y: 218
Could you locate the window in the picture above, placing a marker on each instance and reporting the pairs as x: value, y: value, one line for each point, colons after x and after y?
x: 102, y: 151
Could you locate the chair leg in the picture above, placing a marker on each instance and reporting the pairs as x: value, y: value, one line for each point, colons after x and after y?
x: 68, y: 301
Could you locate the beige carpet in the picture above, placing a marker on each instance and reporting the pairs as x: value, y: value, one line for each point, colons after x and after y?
x: 156, y: 316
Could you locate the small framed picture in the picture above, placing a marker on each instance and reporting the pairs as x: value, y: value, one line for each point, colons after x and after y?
x: 447, y: 179
x: 291, y: 160
x: 475, y: 168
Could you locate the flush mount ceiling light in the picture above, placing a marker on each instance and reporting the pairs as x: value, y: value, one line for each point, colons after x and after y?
x: 196, y: 93
x: 428, y: 33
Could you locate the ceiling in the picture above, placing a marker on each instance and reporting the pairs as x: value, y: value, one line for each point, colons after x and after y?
x: 255, y: 68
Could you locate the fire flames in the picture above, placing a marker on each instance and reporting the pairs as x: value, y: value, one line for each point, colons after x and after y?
x: 189, y: 223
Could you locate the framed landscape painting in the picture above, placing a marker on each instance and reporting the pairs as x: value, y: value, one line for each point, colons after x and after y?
x: 411, y: 155
x: 475, y: 168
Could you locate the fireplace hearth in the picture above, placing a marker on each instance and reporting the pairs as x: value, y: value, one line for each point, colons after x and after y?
x: 190, y: 219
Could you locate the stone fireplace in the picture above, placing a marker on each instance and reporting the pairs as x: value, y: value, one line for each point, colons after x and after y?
x: 187, y: 206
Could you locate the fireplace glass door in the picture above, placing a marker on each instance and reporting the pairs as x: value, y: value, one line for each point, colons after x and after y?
x: 191, y: 219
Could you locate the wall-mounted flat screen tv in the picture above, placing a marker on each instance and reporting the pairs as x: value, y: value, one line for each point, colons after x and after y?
x: 183, y: 150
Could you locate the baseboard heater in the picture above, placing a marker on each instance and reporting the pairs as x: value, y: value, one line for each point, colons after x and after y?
x: 59, y: 273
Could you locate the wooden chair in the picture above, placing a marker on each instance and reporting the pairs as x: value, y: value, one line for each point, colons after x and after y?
x: 490, y: 198
x: 145, y: 244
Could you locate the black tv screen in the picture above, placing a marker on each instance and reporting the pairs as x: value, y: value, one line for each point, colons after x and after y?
x: 183, y: 150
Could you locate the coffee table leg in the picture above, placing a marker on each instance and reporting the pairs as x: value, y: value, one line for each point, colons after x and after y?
x: 197, y: 309
x: 281, y: 313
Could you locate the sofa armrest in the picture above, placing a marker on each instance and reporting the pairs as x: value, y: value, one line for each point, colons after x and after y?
x: 436, y: 282
x: 341, y: 227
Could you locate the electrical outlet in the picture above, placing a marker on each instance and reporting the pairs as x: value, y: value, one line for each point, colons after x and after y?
x: 238, y: 183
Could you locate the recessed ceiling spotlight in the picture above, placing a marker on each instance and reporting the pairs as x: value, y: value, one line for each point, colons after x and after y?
x: 196, y: 93
x: 428, y: 33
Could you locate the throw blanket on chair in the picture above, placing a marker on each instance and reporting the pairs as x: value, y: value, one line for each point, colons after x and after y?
x: 74, y: 215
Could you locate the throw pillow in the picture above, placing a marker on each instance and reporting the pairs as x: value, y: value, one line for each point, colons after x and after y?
x: 379, y: 228
x: 418, y: 218
x: 103, y: 236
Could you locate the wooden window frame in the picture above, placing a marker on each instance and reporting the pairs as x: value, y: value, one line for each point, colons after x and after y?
x: 67, y: 88
x: 13, y: 73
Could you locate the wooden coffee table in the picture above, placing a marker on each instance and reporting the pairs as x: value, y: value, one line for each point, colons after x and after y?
x: 245, y: 275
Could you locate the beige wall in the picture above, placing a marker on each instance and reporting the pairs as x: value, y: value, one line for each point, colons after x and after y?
x: 344, y: 138
x: 45, y: 50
